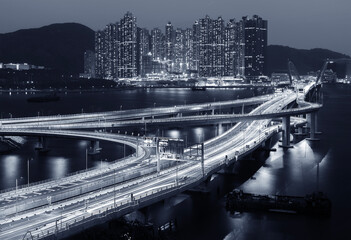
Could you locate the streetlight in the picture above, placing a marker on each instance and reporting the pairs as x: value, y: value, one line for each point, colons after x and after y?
x: 86, y: 158
x: 28, y: 171
x: 16, y: 191
x: 101, y: 171
x: 177, y: 173
x: 114, y: 188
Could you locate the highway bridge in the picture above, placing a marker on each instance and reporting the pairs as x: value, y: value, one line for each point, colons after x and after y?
x: 202, y: 119
x: 59, y: 208
x: 134, y: 113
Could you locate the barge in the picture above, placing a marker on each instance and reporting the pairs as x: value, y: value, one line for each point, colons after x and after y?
x: 312, y: 204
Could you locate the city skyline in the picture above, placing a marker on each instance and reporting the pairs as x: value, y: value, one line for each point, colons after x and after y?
x: 300, y: 24
x: 208, y: 48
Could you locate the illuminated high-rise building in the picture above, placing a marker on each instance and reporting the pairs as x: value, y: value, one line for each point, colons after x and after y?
x: 143, y: 45
x: 169, y: 41
x: 255, y: 46
x: 100, y: 54
x: 239, y: 45
x: 110, y: 45
x: 196, y: 48
x: 205, y: 47
x: 127, y: 47
x: 179, y: 52
x: 189, y: 49
x: 157, y: 46
x: 218, y: 47
x: 89, y: 63
x: 229, y: 49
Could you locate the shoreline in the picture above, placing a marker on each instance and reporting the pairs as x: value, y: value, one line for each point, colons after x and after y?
x: 17, y: 90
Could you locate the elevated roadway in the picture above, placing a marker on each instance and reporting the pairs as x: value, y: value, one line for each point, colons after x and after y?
x: 71, y: 215
x: 134, y: 113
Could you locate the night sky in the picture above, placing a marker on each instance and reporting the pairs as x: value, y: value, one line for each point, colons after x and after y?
x: 295, y: 23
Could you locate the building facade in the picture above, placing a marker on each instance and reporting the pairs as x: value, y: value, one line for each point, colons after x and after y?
x: 255, y: 33
x: 89, y: 63
x: 211, y: 48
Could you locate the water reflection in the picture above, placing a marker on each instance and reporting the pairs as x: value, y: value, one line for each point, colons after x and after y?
x: 58, y: 166
x: 10, y: 169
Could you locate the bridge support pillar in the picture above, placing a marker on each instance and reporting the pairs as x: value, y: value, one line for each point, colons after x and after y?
x: 158, y: 157
x: 300, y: 131
x: 213, y: 112
x: 286, y: 133
x: 94, y: 147
x: 219, y: 129
x: 203, y: 159
x: 316, y: 124
x: 180, y: 115
x: 41, y: 145
x: 311, y: 118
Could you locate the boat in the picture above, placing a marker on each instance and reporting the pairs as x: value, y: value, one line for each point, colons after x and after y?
x: 198, y: 88
x: 44, y: 98
x: 312, y: 204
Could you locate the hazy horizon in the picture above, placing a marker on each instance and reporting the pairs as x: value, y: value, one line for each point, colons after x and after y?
x: 299, y: 24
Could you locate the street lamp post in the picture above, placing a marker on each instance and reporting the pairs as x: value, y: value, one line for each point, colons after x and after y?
x: 114, y: 188
x: 16, y: 192
x: 86, y: 158
x: 28, y: 171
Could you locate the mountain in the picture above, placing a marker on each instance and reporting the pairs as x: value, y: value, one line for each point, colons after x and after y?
x: 62, y: 46
x: 57, y: 46
x: 304, y: 60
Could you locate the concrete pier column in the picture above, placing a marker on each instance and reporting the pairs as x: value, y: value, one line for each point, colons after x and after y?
x: 316, y: 124
x: 203, y: 159
x: 213, y: 112
x: 219, y: 129
x: 180, y: 115
x: 41, y: 145
x: 158, y: 157
x: 94, y: 147
x: 308, y: 118
x: 312, y: 121
x: 286, y: 133
x: 300, y: 131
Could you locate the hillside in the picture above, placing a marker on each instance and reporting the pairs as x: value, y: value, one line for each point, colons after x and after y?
x: 304, y: 60
x: 57, y: 46
x: 61, y: 47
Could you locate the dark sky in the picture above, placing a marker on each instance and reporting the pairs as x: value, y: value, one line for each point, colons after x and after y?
x: 295, y: 23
